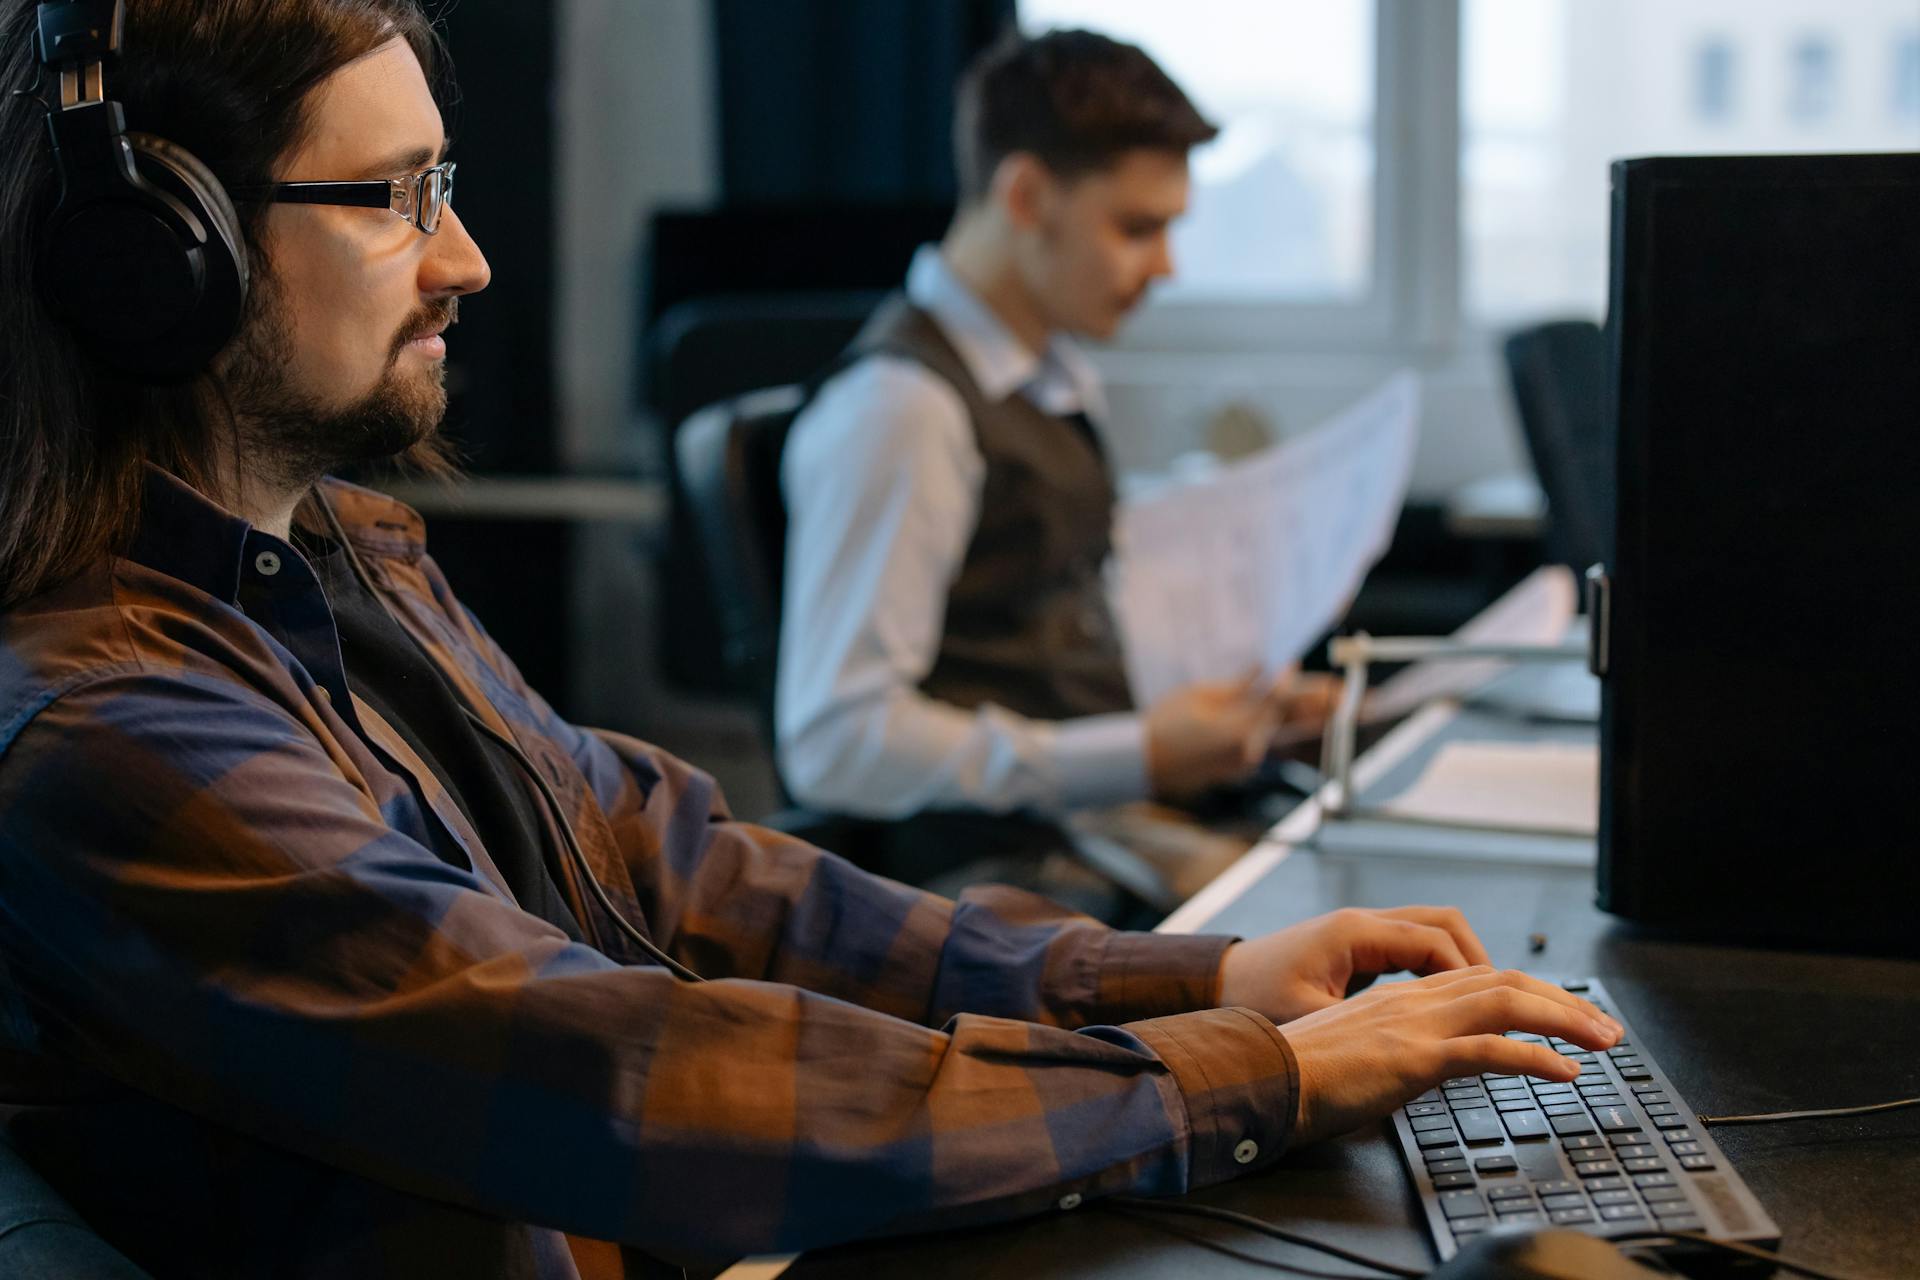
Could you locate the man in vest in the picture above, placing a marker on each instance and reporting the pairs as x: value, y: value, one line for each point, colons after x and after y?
x: 946, y: 642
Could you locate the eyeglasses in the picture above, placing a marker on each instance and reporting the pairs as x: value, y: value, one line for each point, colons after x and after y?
x: 420, y: 198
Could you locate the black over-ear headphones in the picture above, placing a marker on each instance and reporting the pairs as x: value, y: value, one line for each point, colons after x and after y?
x: 143, y: 255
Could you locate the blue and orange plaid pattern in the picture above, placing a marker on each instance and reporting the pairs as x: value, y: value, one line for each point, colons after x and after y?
x: 267, y: 1007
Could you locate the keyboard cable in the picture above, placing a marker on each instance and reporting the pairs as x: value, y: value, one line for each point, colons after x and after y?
x: 1826, y: 1113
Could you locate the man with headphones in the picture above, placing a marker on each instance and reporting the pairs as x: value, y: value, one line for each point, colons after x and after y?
x: 326, y: 947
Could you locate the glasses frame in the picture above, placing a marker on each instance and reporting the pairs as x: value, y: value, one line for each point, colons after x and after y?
x: 406, y: 196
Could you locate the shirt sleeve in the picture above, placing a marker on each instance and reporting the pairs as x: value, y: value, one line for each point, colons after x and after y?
x: 882, y: 481
x: 228, y: 924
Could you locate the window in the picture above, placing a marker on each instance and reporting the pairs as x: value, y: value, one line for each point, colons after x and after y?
x: 1812, y: 79
x: 1713, y: 80
x: 1553, y: 90
x: 1906, y: 78
x: 1283, y: 201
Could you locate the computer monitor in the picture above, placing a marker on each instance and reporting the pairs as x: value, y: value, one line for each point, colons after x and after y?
x: 1760, y: 722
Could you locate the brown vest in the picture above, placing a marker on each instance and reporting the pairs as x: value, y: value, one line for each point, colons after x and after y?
x: 1027, y: 623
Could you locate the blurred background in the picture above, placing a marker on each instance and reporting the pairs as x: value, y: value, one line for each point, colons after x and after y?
x: 686, y: 199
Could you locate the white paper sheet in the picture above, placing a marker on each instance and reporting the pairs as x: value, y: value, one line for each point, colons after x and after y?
x: 1541, y: 786
x: 1245, y: 567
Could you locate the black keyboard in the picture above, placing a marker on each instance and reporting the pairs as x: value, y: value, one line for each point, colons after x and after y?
x: 1614, y: 1152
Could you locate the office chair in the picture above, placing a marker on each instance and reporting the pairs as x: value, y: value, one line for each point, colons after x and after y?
x: 42, y: 1238
x: 1559, y: 376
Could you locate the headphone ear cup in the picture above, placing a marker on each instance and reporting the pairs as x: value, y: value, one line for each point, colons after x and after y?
x: 224, y: 273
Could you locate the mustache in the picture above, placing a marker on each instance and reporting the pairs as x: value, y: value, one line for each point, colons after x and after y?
x: 430, y: 319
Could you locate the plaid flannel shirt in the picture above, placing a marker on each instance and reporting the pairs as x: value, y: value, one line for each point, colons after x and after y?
x: 266, y: 1006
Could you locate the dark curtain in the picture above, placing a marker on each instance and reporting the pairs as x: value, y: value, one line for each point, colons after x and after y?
x: 837, y: 101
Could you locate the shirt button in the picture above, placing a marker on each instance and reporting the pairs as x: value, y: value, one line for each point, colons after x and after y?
x: 326, y: 694
x: 1071, y: 1200
x: 1246, y: 1151
x: 267, y: 563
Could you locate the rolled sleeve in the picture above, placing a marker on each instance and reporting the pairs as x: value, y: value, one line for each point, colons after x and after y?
x: 1240, y: 1083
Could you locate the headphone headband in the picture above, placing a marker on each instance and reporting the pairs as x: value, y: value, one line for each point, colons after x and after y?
x: 79, y: 31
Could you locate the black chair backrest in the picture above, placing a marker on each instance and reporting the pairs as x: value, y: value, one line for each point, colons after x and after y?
x: 729, y: 463
x: 1559, y: 375
x: 42, y: 1238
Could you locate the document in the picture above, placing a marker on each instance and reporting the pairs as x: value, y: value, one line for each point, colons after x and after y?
x: 1549, y: 787
x: 1242, y: 568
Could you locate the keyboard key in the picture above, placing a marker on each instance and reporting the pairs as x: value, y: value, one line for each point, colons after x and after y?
x: 1556, y: 1187
x: 1687, y: 1222
x: 1662, y: 1195
x: 1446, y: 1166
x: 1604, y: 1198
x: 1635, y: 1073
x: 1426, y: 1124
x: 1646, y: 1088
x: 1598, y: 1100
x: 1479, y: 1126
x: 1496, y: 1164
x: 1437, y: 1138
x: 1464, y: 1227
x: 1621, y: 1140
x: 1678, y: 1135
x: 1524, y: 1126
x: 1526, y: 1217
x: 1522, y: 1103
x: 1648, y: 1164
x: 1624, y: 1060
x: 1587, y: 1155
x: 1623, y: 1050
x: 1446, y: 1181
x: 1493, y: 1078
x: 1554, y: 1089
x: 1634, y: 1150
x: 1510, y: 1191
x: 1564, y: 1108
x: 1658, y: 1108
x: 1616, y: 1120
x: 1621, y: 1212
x: 1553, y: 1203
x: 1696, y: 1164
x: 1570, y: 1124
x: 1462, y: 1204
x: 1426, y: 1109
x: 1606, y: 1184
x: 1569, y: 1217
x: 1431, y: 1095
x: 1670, y: 1122
x: 1601, y: 1168
x: 1686, y: 1148
x: 1469, y: 1104
x: 1585, y: 1142
x: 1652, y: 1099
x: 1651, y: 1182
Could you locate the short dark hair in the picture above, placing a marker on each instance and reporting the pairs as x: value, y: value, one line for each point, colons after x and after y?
x: 229, y: 81
x: 1076, y: 99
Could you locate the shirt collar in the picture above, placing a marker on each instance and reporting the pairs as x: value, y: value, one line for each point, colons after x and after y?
x: 1060, y: 381
x: 186, y: 535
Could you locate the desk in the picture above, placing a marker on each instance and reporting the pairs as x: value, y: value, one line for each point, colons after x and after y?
x: 1736, y: 1029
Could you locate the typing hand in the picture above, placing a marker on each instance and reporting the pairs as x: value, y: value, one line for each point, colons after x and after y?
x: 1315, y: 963
x: 1363, y: 1057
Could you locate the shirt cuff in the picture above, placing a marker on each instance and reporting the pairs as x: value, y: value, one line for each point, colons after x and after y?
x: 1240, y: 1082
x: 1100, y: 760
x: 1155, y: 975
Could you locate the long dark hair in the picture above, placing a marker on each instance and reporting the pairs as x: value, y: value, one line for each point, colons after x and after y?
x: 227, y: 80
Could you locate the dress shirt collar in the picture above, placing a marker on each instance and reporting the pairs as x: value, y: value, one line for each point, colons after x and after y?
x: 1060, y: 382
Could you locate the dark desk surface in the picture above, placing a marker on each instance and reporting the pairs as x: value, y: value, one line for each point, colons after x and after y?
x: 1738, y: 1030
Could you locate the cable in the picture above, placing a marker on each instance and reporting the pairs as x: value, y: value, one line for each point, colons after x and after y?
x: 1732, y: 1246
x: 1825, y: 1114
x: 1216, y: 1246
x: 1251, y: 1223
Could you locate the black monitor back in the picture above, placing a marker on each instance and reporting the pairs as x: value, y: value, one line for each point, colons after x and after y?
x: 1761, y: 700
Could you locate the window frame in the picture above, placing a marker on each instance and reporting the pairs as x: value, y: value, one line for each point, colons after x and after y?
x: 1413, y: 298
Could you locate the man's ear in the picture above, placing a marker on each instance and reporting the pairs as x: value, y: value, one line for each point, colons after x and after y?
x: 1025, y: 189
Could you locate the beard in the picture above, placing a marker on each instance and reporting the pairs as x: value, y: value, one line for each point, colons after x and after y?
x: 290, y: 439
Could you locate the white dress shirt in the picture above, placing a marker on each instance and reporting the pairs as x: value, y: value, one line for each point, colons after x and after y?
x: 882, y: 478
